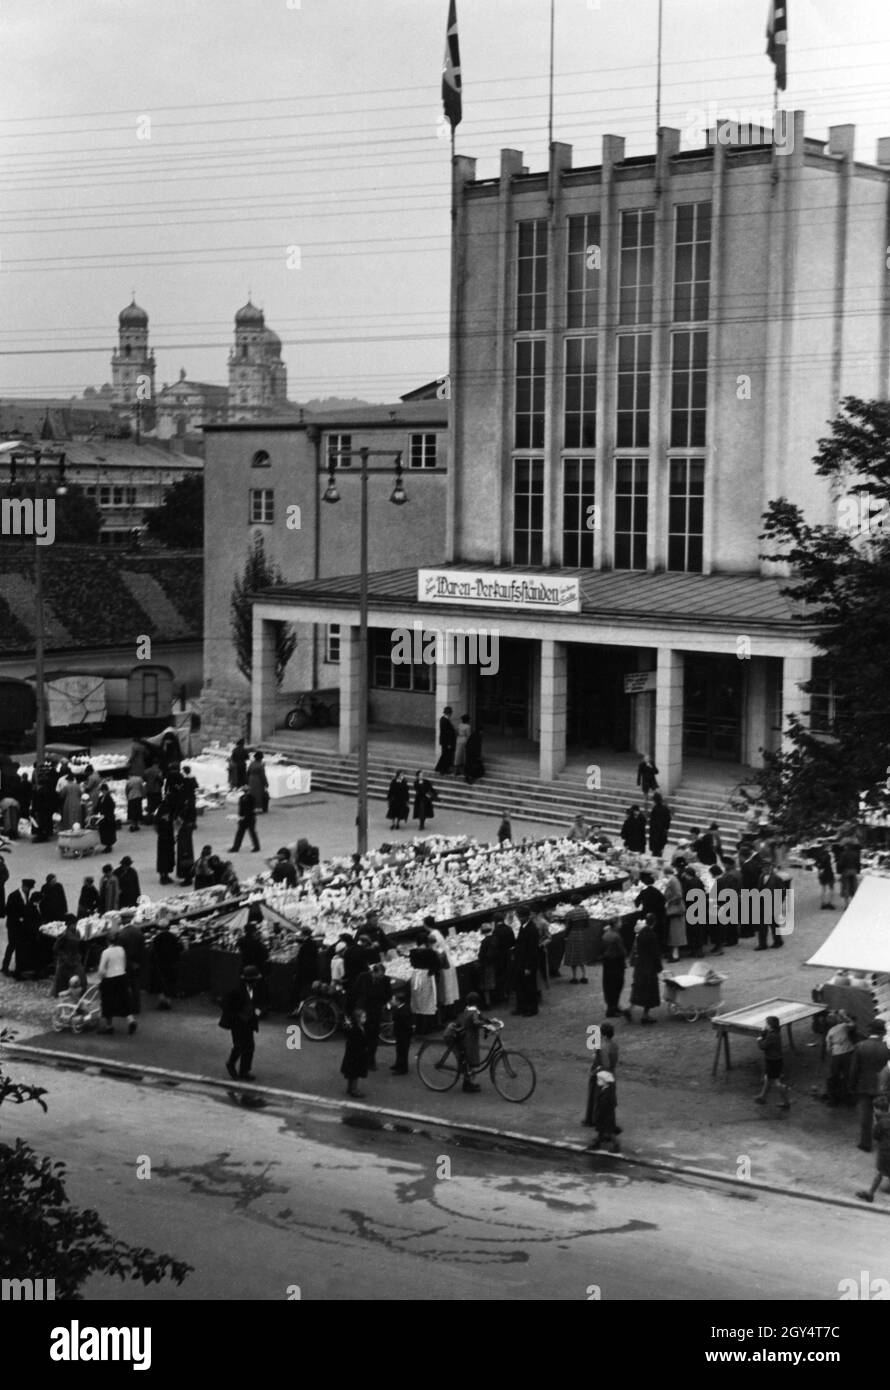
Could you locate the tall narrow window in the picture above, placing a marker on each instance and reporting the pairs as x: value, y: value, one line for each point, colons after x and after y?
x: 634, y: 380
x: 637, y: 267
x: 578, y: 512
x: 528, y: 512
x: 686, y: 515
x: 692, y: 262
x: 332, y: 644
x: 528, y: 430
x: 689, y: 389
x: 580, y: 394
x: 583, y: 271
x: 339, y: 444
x: 262, y: 506
x: 631, y: 513
x: 531, y: 276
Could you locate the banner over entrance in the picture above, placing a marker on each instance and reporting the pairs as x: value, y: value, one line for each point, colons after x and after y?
x: 543, y: 592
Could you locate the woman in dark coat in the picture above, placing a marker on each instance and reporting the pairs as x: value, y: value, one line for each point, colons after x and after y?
x: 646, y: 961
x: 355, y: 1055
x: 166, y: 856
x: 525, y: 960
x: 88, y: 902
x: 633, y: 831
x: 474, y: 768
x: 105, y: 812
x: 503, y: 941
x: 398, y: 800
x: 659, y: 825
x: 53, y: 902
x: 185, y: 852
x: 424, y: 796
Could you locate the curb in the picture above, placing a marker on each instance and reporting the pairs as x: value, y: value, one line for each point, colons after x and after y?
x: 532, y: 1142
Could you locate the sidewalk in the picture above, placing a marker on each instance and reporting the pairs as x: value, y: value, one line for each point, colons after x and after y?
x: 670, y: 1107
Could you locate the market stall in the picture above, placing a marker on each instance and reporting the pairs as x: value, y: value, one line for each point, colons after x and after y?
x: 751, y: 1021
x: 858, y: 949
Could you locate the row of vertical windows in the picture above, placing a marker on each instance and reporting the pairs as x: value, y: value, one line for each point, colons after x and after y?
x: 689, y: 381
x: 422, y: 450
x: 686, y: 492
x: 636, y: 268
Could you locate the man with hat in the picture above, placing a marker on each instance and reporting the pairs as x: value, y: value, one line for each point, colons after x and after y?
x: 284, y: 870
x: 17, y: 910
x: 869, y: 1059
x: 241, y: 1016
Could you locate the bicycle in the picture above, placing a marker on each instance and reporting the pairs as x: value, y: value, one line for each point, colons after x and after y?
x: 439, y: 1065
x: 323, y: 1013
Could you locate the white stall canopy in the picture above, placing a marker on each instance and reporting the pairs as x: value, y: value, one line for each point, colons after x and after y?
x: 861, y: 939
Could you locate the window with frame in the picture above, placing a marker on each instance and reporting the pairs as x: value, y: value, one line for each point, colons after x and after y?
x: 579, y: 425
x: 583, y: 271
x: 689, y: 389
x: 634, y: 388
x: 636, y: 266
x: 332, y: 644
x: 531, y: 275
x: 262, y: 506
x: 631, y: 513
x: 261, y: 459
x: 528, y: 511
x: 825, y: 704
x: 578, y: 512
x: 89, y: 492
x: 692, y: 261
x: 104, y: 496
x: 117, y: 497
x: 686, y: 515
x: 151, y: 696
x: 422, y: 451
x: 528, y: 414
x: 387, y: 674
x: 339, y: 443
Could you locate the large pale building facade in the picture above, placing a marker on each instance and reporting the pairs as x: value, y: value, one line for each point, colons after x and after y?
x: 644, y: 353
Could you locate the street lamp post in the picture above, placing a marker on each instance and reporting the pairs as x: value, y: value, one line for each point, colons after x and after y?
x: 19, y: 456
x: 398, y: 497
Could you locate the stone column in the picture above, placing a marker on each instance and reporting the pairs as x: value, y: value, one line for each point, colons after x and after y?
x: 669, y: 719
x: 554, y: 695
x: 264, y: 689
x: 349, y: 688
x: 795, y: 671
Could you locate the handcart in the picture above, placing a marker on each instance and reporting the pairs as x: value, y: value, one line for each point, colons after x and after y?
x: 696, y: 994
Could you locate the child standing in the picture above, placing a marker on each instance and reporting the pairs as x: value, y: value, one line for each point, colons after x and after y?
x: 402, y: 1025
x: 770, y: 1044
x: 505, y: 830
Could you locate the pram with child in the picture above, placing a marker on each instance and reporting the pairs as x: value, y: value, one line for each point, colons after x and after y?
x: 77, y: 1008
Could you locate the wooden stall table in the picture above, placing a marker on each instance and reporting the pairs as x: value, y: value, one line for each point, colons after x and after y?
x: 752, y: 1021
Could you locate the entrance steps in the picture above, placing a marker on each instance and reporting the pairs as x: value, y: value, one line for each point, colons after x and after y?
x: 510, y: 784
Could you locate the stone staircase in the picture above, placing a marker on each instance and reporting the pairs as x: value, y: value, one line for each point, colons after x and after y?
x: 510, y: 785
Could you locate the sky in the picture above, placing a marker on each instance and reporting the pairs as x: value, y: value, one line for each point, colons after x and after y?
x: 182, y: 150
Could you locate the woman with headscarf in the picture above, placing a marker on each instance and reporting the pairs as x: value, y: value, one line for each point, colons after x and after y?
x: 646, y: 962
x: 166, y: 855
x: 105, y: 812
x: 398, y: 800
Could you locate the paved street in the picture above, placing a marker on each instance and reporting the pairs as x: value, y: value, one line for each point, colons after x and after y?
x: 261, y: 1200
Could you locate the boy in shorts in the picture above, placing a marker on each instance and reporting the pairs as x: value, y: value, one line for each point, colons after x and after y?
x: 770, y: 1044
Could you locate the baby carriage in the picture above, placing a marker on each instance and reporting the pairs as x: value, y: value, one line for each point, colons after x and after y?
x: 85, y: 1013
x: 694, y: 995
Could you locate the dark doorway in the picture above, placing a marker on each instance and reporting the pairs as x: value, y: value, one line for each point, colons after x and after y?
x: 503, y: 699
x: 713, y: 699
x: 599, y: 712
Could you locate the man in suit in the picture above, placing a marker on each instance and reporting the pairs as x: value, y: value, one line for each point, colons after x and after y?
x: 241, y: 1016
x: 869, y: 1059
x: 447, y: 741
x: 17, y: 910
x: 246, y: 821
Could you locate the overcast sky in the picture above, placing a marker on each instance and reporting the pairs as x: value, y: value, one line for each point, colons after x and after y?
x: 179, y: 148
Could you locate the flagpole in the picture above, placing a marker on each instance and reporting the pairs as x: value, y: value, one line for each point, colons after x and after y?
x: 550, y: 90
x: 658, y: 73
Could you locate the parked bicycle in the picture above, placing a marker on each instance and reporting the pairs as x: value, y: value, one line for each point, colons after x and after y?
x: 323, y: 1013
x: 439, y: 1064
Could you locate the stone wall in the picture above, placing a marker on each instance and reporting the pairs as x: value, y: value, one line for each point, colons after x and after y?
x: 225, y: 713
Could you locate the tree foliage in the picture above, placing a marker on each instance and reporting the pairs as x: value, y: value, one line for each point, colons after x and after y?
x: 42, y: 1236
x: 258, y: 574
x: 178, y: 523
x: 842, y: 576
x: 77, y: 518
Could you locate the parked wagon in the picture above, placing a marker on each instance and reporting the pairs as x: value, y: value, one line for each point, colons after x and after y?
x: 139, y: 698
x: 696, y: 994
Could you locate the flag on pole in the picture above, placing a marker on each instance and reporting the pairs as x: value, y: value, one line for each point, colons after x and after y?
x: 777, y: 40
x: 451, y: 97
